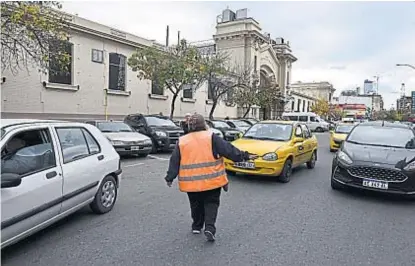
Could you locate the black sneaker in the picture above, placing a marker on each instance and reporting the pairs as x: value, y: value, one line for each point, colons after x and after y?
x: 210, y: 236
x: 196, y: 231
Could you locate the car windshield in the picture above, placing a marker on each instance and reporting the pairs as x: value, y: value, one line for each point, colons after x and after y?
x: 159, y: 122
x: 220, y: 124
x: 383, y: 136
x: 277, y: 132
x: 114, y: 127
x: 240, y: 123
x: 344, y: 129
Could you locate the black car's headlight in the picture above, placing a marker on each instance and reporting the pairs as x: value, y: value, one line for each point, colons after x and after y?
x: 410, y: 166
x: 271, y: 156
x: 344, y: 158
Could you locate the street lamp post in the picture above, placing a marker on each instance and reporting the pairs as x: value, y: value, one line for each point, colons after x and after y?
x: 406, y: 65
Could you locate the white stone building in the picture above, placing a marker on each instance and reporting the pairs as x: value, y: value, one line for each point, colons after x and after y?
x: 100, y: 81
x: 318, y: 90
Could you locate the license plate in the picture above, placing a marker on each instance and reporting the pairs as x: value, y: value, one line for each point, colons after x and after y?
x: 135, y: 148
x: 247, y: 165
x: 375, y: 184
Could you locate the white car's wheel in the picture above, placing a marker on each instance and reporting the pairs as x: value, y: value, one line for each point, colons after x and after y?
x: 106, y: 196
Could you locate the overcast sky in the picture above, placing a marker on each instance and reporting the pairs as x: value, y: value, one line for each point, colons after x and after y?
x: 340, y: 42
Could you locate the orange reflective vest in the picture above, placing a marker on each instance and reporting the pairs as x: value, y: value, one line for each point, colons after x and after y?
x: 199, y: 170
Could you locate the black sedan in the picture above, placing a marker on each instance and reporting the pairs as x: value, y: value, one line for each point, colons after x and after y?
x: 378, y: 156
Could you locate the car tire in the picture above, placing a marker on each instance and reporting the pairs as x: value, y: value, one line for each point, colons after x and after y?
x: 143, y: 155
x: 228, y: 172
x: 153, y: 147
x: 335, y: 185
x: 106, y: 196
x: 312, y: 163
x: 319, y: 129
x: 332, y: 150
x: 285, y: 175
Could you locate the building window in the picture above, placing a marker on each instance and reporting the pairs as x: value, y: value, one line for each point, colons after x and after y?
x: 288, y: 78
x: 308, y: 106
x: 59, y: 72
x: 156, y: 89
x: 255, y: 63
x: 303, y: 105
x: 188, y: 92
x: 298, y: 105
x: 97, y: 56
x: 117, y: 72
x: 210, y: 90
x: 292, y: 105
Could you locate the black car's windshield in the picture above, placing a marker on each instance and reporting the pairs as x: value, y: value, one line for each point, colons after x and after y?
x: 159, y: 122
x: 114, y: 127
x: 344, y: 129
x: 383, y: 136
x: 220, y: 124
x: 278, y: 132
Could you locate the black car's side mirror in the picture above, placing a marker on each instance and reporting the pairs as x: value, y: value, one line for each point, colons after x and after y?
x: 10, y: 180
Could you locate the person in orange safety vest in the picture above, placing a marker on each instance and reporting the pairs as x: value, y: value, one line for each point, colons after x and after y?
x: 197, y: 161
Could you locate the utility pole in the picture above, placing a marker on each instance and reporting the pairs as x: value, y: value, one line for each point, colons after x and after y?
x: 377, y: 84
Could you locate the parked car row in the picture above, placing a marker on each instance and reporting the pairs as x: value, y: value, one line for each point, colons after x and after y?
x: 141, y: 134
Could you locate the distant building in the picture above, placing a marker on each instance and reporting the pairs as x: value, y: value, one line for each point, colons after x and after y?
x: 319, y: 90
x: 368, y: 87
x: 349, y: 93
x: 404, y: 104
x: 374, y: 101
x: 413, y: 102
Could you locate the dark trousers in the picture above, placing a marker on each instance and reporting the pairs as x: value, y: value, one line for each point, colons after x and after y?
x: 204, y: 207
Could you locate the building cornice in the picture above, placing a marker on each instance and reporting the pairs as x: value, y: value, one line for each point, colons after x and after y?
x: 107, y: 36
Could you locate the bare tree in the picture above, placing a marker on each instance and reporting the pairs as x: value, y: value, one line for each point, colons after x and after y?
x: 245, y: 94
x: 222, y: 79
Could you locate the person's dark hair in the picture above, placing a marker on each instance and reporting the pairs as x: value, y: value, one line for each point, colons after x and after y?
x: 197, y: 123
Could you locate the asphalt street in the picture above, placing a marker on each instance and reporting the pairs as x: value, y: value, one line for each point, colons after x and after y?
x: 261, y: 222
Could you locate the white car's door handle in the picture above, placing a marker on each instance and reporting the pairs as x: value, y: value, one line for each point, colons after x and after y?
x: 100, y: 157
x: 51, y: 174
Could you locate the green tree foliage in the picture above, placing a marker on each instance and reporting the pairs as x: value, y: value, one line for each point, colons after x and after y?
x: 174, y: 68
x: 28, y: 30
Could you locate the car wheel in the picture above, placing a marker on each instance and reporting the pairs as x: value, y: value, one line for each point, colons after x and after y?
x: 143, y: 155
x: 285, y: 176
x: 319, y: 129
x: 106, y: 196
x: 312, y: 163
x: 228, y: 172
x: 335, y: 185
x: 332, y: 150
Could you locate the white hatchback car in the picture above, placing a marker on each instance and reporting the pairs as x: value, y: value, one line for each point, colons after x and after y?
x: 50, y: 169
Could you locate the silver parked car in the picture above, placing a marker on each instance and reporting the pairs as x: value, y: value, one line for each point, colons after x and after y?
x: 125, y: 140
x: 50, y: 169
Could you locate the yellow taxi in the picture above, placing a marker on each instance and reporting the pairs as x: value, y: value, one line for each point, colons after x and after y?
x: 339, y: 134
x: 281, y: 146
